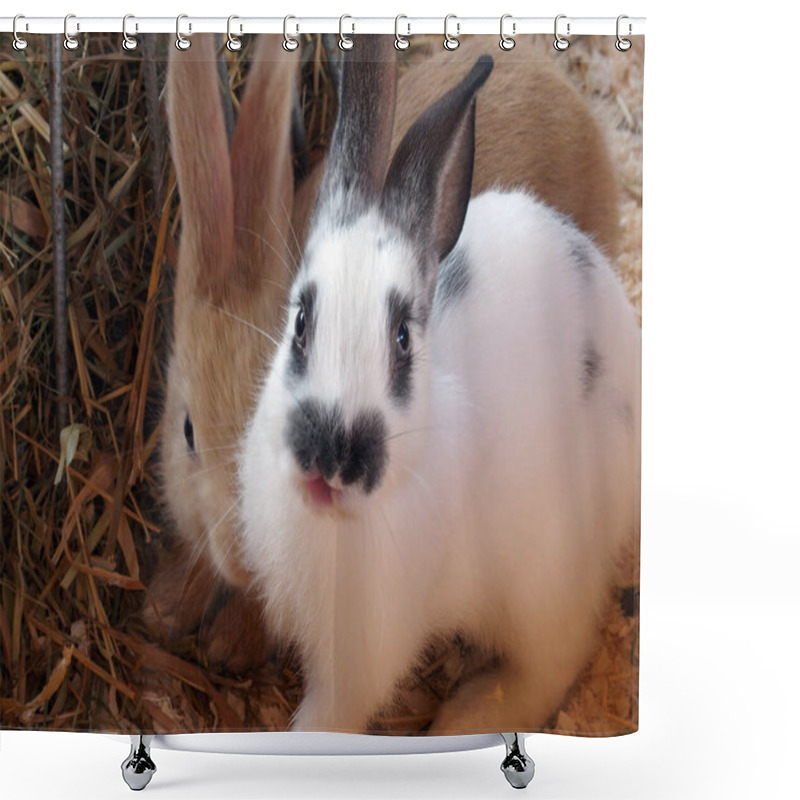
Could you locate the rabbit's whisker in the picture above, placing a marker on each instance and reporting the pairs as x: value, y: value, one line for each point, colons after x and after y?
x: 204, y: 450
x: 224, y: 426
x: 278, y: 255
x: 392, y: 535
x: 434, y: 509
x: 291, y: 228
x: 204, y: 471
x: 208, y: 533
x: 245, y: 322
x: 193, y: 558
x: 414, y: 474
x: 282, y: 286
x: 283, y: 238
x: 406, y: 433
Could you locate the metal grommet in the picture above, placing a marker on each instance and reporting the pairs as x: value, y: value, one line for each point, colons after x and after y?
x: 560, y: 43
x: 507, y: 42
x: 345, y: 42
x: 19, y: 42
x: 401, y: 42
x: 451, y: 42
x: 181, y: 42
x: 128, y: 42
x: 623, y: 45
x: 70, y: 42
x: 290, y: 44
x: 234, y: 43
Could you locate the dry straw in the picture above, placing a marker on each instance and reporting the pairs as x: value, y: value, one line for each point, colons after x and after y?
x: 76, y: 552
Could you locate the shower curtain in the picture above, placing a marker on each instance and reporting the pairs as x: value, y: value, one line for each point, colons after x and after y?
x: 320, y: 381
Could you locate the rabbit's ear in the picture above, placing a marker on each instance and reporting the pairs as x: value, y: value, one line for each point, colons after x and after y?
x: 428, y: 185
x: 261, y: 166
x: 200, y: 153
x: 362, y: 135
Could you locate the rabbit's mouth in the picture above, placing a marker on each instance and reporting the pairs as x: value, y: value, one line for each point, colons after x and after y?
x: 320, y: 493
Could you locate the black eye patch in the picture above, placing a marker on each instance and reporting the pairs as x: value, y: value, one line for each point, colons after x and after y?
x: 401, y: 348
x: 302, y: 321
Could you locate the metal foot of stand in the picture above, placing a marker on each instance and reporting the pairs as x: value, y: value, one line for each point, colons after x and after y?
x: 517, y: 766
x: 138, y: 768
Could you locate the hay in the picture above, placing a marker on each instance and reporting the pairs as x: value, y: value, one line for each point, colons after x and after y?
x: 76, y: 553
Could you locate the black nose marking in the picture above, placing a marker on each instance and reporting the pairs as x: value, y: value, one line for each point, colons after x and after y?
x: 366, y: 451
x: 318, y: 437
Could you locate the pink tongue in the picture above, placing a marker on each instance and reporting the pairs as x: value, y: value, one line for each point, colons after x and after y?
x: 319, y: 491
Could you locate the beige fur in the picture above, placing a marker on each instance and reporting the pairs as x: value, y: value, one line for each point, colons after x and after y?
x: 233, y: 269
x: 532, y: 130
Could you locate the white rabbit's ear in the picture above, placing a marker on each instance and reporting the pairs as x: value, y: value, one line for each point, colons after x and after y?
x: 200, y: 153
x: 362, y: 135
x: 428, y: 186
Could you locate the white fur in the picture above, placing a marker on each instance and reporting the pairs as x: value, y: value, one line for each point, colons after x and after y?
x: 508, y: 489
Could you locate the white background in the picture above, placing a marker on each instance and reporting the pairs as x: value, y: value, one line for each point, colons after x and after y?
x: 720, y: 605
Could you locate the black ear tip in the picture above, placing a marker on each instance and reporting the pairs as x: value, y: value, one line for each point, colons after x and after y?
x: 482, y: 69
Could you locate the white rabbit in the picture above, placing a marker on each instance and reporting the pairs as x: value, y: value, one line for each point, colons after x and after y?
x: 447, y: 438
x: 532, y: 130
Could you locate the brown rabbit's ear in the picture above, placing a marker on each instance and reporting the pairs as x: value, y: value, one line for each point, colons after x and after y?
x: 200, y: 153
x: 261, y: 165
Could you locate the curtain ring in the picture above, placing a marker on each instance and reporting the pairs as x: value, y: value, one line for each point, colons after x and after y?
x: 70, y: 42
x: 128, y: 42
x: 19, y: 42
x: 623, y: 45
x: 560, y: 43
x: 290, y: 44
x: 451, y: 42
x: 507, y: 42
x: 181, y: 42
x: 401, y: 42
x: 345, y: 42
x: 234, y: 43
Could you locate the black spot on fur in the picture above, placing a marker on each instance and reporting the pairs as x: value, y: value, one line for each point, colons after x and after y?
x: 582, y: 254
x: 582, y: 251
x: 319, y: 439
x: 298, y: 360
x: 399, y: 309
x: 454, y: 278
x: 592, y: 368
x: 400, y: 384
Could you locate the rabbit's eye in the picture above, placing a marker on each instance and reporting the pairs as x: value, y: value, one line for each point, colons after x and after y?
x: 188, y: 432
x: 300, y: 328
x: 402, y: 342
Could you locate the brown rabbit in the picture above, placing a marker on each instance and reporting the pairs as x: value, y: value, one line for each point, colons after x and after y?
x: 533, y: 130
x: 234, y: 265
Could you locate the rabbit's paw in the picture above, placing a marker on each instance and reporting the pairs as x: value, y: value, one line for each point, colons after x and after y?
x: 238, y: 639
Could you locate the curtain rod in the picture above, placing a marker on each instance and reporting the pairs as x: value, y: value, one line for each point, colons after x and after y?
x: 406, y: 26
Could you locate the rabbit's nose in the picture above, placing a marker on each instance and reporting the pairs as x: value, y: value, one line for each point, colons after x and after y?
x: 365, y: 453
x: 347, y: 454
